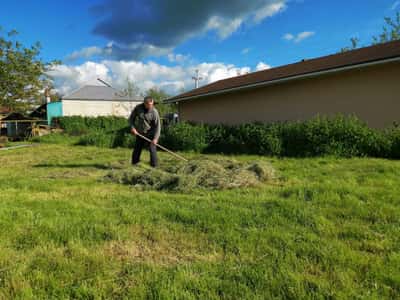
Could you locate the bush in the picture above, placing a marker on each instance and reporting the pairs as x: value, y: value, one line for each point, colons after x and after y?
x: 98, y: 131
x: 394, y: 137
x: 185, y: 137
x: 261, y: 139
x: 123, y: 138
x: 77, y: 125
x: 340, y: 136
x: 97, y: 138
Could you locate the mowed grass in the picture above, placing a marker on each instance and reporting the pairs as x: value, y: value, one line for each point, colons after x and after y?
x: 327, y: 228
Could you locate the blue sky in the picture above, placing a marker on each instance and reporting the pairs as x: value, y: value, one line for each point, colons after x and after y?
x: 155, y: 43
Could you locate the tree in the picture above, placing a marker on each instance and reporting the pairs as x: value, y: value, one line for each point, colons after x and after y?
x: 22, y: 73
x: 354, y: 45
x: 390, y: 32
x: 55, y: 97
x: 159, y: 96
x: 131, y: 90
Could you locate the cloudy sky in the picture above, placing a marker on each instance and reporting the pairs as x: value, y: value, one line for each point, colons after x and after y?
x: 159, y: 43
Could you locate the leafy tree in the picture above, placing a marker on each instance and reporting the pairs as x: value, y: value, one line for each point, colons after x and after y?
x: 55, y: 97
x: 131, y: 90
x: 390, y: 32
x: 159, y: 96
x: 22, y: 73
x: 354, y: 45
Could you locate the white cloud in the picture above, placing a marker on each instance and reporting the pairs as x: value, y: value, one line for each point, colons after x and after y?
x: 304, y: 35
x: 178, y: 58
x: 172, y: 79
x: 124, y: 52
x: 68, y: 78
x: 85, y: 53
x: 299, y: 37
x: 262, y: 66
x: 224, y: 27
x: 269, y: 10
x: 288, y: 37
x: 246, y: 51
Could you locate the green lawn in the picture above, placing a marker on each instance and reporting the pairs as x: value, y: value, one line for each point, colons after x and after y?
x: 326, y: 229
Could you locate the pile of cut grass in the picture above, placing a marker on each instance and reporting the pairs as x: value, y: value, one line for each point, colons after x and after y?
x: 198, y: 173
x: 3, y: 141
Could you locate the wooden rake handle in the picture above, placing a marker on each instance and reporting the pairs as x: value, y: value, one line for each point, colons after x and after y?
x: 163, y: 148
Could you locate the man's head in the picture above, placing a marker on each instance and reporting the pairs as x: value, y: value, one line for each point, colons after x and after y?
x: 148, y: 102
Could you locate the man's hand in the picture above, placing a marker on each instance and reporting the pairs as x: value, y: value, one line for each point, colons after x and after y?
x: 134, y: 131
x: 154, y: 142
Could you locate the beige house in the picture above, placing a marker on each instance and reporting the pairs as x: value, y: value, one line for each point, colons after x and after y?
x: 363, y: 82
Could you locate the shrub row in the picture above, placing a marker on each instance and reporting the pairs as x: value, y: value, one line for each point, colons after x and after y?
x: 340, y: 136
x: 107, y: 139
x: 82, y: 125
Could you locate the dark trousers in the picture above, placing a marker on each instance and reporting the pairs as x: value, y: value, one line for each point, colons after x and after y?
x: 137, y: 151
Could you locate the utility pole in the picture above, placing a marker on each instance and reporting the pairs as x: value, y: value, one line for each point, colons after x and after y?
x: 47, y: 94
x: 197, y: 79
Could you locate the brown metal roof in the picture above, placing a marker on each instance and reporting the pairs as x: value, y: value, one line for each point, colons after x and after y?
x: 15, y: 116
x: 331, y: 62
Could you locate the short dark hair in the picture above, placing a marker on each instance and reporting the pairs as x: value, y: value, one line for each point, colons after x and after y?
x: 148, y: 99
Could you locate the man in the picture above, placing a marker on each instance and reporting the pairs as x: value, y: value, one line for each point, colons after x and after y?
x: 145, y: 120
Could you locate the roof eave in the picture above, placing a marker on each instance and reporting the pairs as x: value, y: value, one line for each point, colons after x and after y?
x: 286, y: 79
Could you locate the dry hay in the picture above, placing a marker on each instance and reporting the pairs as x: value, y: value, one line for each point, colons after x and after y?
x: 200, y: 173
x: 3, y: 141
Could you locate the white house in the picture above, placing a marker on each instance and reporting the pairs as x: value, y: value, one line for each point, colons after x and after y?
x: 94, y: 101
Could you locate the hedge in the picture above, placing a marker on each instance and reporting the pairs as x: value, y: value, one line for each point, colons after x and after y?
x: 340, y: 136
x: 82, y: 125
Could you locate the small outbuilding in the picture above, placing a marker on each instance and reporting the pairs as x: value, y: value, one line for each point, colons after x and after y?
x: 18, y: 125
x: 363, y: 82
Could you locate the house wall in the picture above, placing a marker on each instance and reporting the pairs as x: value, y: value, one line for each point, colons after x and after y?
x: 371, y: 93
x: 54, y: 109
x: 93, y: 108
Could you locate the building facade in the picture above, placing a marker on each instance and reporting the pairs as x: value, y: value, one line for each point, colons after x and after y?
x: 364, y: 83
x: 94, y: 101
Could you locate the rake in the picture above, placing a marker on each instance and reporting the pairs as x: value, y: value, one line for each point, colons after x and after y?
x: 162, y: 147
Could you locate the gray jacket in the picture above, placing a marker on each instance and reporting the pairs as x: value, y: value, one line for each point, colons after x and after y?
x: 147, y: 122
